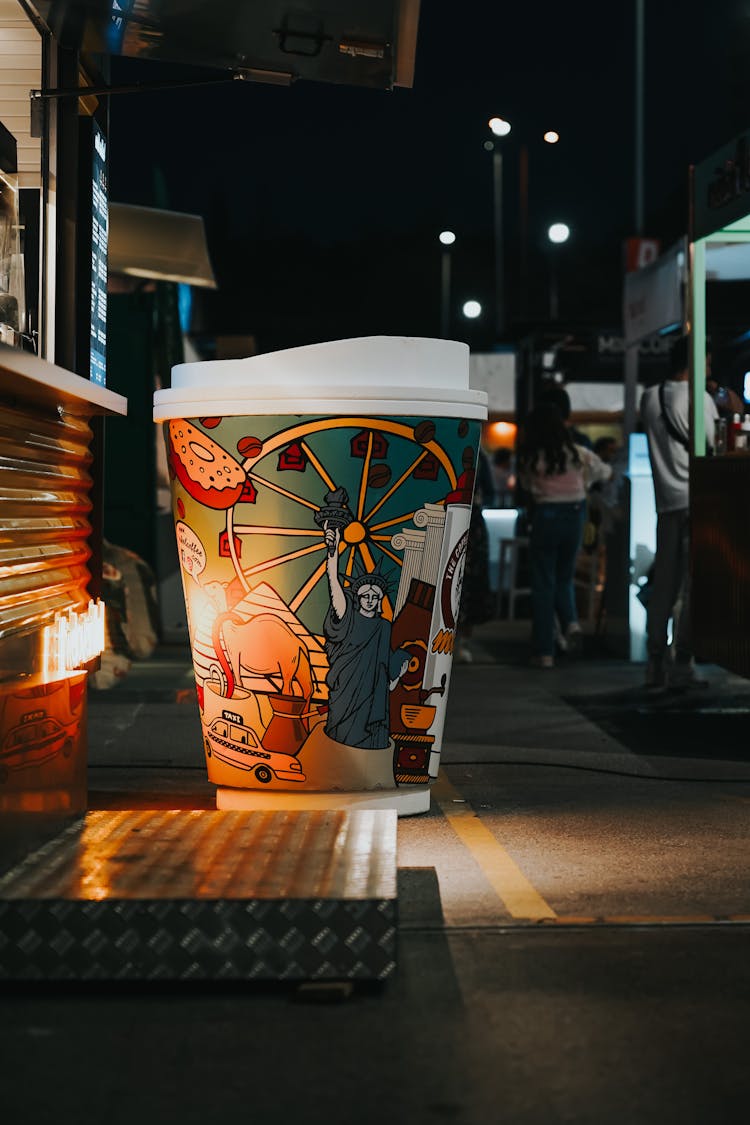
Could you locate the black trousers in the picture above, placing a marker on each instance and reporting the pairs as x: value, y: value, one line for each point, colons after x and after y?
x: 670, y: 589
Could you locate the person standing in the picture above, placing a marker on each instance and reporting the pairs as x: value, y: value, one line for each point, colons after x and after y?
x: 727, y: 401
x: 559, y: 398
x: 665, y: 418
x: 556, y: 472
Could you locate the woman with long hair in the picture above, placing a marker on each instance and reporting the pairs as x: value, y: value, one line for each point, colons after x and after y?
x: 556, y: 472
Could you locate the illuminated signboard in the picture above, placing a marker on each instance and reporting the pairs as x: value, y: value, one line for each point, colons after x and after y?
x: 118, y: 22
x: 99, y: 232
x: 72, y: 640
x: 722, y: 187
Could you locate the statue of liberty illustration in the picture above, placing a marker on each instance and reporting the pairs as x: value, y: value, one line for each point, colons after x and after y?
x: 362, y: 668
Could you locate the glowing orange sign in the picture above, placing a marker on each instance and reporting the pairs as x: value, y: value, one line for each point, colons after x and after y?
x: 72, y: 640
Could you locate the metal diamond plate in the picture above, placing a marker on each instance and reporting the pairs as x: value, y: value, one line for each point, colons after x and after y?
x: 155, y: 895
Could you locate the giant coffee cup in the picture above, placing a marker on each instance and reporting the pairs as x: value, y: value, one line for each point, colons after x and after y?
x: 321, y: 499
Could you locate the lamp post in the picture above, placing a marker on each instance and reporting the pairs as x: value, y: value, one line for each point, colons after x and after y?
x: 558, y: 234
x: 501, y: 128
x: 447, y: 238
x: 550, y: 137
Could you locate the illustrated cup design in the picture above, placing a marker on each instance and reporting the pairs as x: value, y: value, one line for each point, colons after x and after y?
x: 322, y: 499
x: 322, y: 559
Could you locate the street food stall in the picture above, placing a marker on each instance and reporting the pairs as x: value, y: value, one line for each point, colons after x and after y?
x: 701, y: 286
x: 720, y: 484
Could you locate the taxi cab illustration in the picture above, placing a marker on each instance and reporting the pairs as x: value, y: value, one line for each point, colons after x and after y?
x: 230, y: 740
x: 36, y: 739
x: 36, y: 724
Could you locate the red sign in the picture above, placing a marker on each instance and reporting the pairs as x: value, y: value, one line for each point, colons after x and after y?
x: 640, y: 252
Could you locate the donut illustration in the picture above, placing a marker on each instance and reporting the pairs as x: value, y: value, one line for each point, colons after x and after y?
x: 206, y: 471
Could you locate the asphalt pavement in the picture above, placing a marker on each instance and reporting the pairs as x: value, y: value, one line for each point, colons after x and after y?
x: 574, y: 915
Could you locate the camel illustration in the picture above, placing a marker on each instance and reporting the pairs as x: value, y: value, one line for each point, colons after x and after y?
x: 263, y: 645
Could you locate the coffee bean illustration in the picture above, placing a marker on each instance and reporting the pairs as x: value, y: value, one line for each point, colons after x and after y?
x: 378, y: 476
x: 249, y: 446
x: 424, y: 432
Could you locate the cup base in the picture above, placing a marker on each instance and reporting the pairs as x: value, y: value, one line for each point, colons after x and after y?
x: 406, y: 802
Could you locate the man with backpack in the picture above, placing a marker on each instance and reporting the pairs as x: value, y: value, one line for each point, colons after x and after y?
x: 665, y: 415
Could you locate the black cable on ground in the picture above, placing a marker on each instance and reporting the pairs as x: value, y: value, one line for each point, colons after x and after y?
x: 614, y: 773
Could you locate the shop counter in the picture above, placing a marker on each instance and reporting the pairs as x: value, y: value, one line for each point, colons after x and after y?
x: 50, y: 629
x: 719, y: 489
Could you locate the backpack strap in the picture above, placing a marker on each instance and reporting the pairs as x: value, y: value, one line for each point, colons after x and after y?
x: 669, y: 425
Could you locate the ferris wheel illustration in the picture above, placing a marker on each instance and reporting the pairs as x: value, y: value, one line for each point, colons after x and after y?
x: 392, y: 467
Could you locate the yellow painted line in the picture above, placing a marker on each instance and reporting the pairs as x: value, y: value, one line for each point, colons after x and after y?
x: 520, y: 898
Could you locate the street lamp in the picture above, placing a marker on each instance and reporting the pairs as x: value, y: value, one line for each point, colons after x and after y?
x: 550, y: 137
x: 558, y: 234
x: 501, y: 128
x: 447, y: 238
x: 471, y: 309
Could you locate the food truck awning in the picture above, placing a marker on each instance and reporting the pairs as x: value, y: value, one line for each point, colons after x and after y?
x: 354, y: 42
x: 163, y: 245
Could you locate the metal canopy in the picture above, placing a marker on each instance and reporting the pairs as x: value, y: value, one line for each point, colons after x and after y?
x: 355, y: 42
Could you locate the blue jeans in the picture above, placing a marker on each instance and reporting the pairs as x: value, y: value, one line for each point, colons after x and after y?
x: 556, y: 533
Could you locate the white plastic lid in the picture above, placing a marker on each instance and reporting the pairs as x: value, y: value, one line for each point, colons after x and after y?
x: 379, y: 375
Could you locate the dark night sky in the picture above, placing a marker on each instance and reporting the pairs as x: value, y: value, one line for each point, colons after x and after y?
x: 323, y: 203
